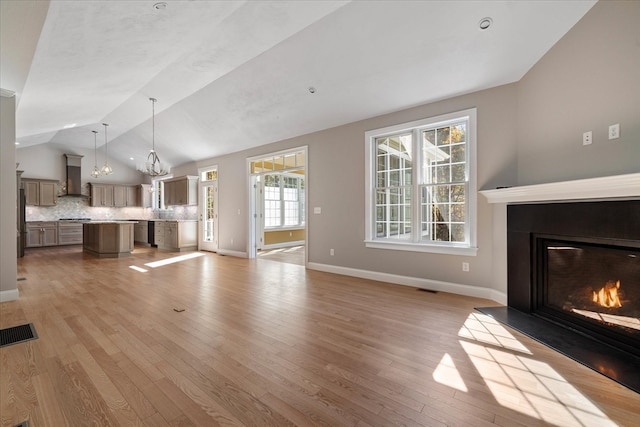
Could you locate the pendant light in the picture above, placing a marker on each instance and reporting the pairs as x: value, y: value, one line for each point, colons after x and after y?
x: 106, y: 169
x: 153, y: 166
x: 95, y: 173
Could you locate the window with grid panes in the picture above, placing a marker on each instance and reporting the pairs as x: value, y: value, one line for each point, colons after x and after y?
x: 421, y: 185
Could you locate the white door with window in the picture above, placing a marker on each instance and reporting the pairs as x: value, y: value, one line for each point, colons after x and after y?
x: 208, y: 239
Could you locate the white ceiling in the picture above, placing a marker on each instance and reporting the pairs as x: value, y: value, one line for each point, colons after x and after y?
x: 230, y: 75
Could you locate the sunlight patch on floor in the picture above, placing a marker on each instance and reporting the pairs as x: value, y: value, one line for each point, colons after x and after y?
x: 521, y: 383
x: 446, y: 373
x: 174, y: 259
x: 140, y: 269
x: 480, y: 327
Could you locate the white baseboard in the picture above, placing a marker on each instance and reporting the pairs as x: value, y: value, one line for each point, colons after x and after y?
x: 282, y: 245
x: 10, y: 295
x: 227, y: 252
x: 433, y: 285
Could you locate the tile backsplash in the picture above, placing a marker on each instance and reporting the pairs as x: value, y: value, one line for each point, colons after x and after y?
x: 77, y: 207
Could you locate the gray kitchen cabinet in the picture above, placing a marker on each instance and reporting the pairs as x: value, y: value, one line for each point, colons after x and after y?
x: 69, y: 233
x: 141, y: 232
x: 40, y: 192
x: 176, y: 235
x: 101, y: 195
x: 42, y: 233
x: 132, y: 195
x: 181, y: 191
x: 146, y: 196
x: 119, y: 196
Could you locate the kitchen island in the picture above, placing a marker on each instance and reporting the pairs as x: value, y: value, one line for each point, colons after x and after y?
x: 108, y: 239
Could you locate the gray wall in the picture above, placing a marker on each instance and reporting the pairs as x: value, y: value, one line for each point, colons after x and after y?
x: 589, y: 80
x: 528, y: 132
x: 8, y: 211
x: 47, y: 161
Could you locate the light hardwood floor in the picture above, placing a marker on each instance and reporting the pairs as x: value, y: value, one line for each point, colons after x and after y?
x: 269, y: 344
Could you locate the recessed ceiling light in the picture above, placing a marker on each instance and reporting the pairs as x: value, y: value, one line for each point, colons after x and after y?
x: 17, y: 143
x: 160, y: 6
x: 130, y: 158
x: 485, y: 23
x: 312, y: 89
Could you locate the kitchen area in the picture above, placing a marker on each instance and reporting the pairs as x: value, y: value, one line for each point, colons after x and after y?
x: 104, y: 219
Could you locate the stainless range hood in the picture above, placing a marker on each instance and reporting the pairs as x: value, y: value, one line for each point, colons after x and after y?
x: 74, y: 182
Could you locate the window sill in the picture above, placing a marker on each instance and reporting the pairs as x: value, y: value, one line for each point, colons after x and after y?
x: 414, y: 247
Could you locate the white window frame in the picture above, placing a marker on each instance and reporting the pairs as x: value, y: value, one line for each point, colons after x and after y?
x: 282, y: 202
x: 467, y: 248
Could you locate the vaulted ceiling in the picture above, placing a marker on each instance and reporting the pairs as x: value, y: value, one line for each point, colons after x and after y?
x: 230, y: 75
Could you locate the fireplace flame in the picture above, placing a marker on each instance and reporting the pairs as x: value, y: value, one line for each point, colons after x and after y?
x: 608, y: 296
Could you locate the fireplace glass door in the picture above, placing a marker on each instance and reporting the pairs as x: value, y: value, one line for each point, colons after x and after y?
x: 596, y: 286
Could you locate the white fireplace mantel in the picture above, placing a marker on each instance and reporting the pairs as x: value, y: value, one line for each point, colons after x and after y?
x: 609, y: 187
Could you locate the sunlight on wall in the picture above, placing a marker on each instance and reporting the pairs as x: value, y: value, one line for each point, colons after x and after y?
x: 173, y: 260
x: 521, y: 383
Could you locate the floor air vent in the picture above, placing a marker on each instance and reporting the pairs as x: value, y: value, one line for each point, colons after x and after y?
x: 17, y: 334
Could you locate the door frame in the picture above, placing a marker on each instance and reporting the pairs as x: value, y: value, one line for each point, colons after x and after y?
x: 254, y: 206
x: 202, y: 245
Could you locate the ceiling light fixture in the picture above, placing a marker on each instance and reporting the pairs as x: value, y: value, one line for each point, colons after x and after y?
x: 160, y: 6
x: 153, y: 166
x: 106, y: 169
x: 95, y: 173
x: 485, y: 23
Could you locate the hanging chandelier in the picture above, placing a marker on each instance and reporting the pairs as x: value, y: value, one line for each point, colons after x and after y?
x: 95, y: 173
x: 153, y: 166
x: 106, y: 169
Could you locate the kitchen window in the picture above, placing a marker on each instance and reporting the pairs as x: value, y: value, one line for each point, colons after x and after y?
x: 421, y: 187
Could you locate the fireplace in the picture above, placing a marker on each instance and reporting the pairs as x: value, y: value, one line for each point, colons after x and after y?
x: 592, y: 285
x: 577, y: 264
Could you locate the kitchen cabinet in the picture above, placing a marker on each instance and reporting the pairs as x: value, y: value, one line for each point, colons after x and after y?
x: 69, y: 233
x: 181, y: 191
x: 108, y: 239
x: 42, y: 233
x: 132, y: 193
x: 114, y: 195
x: 146, y: 196
x: 176, y: 235
x: 101, y: 195
x: 40, y: 192
x: 141, y: 232
x: 119, y: 196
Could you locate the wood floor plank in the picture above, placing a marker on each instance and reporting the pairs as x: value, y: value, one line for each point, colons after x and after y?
x: 262, y: 343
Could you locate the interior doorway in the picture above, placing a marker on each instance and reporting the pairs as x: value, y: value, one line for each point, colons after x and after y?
x: 278, y: 206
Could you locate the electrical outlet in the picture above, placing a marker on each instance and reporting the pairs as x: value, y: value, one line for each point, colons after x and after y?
x: 587, y: 138
x: 614, y: 131
x: 465, y: 266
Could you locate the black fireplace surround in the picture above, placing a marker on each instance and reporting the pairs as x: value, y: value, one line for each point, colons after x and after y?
x: 583, y: 247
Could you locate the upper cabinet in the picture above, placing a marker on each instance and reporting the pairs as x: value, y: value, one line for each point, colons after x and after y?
x: 101, y: 195
x: 115, y: 195
x: 40, y: 192
x: 181, y: 191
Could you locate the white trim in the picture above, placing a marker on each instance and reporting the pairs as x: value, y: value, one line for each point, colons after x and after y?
x: 283, y: 245
x: 471, y: 220
x: 6, y: 93
x: 10, y: 295
x: 413, y: 247
x: 228, y: 252
x: 582, y: 189
x: 433, y: 285
x: 251, y: 242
